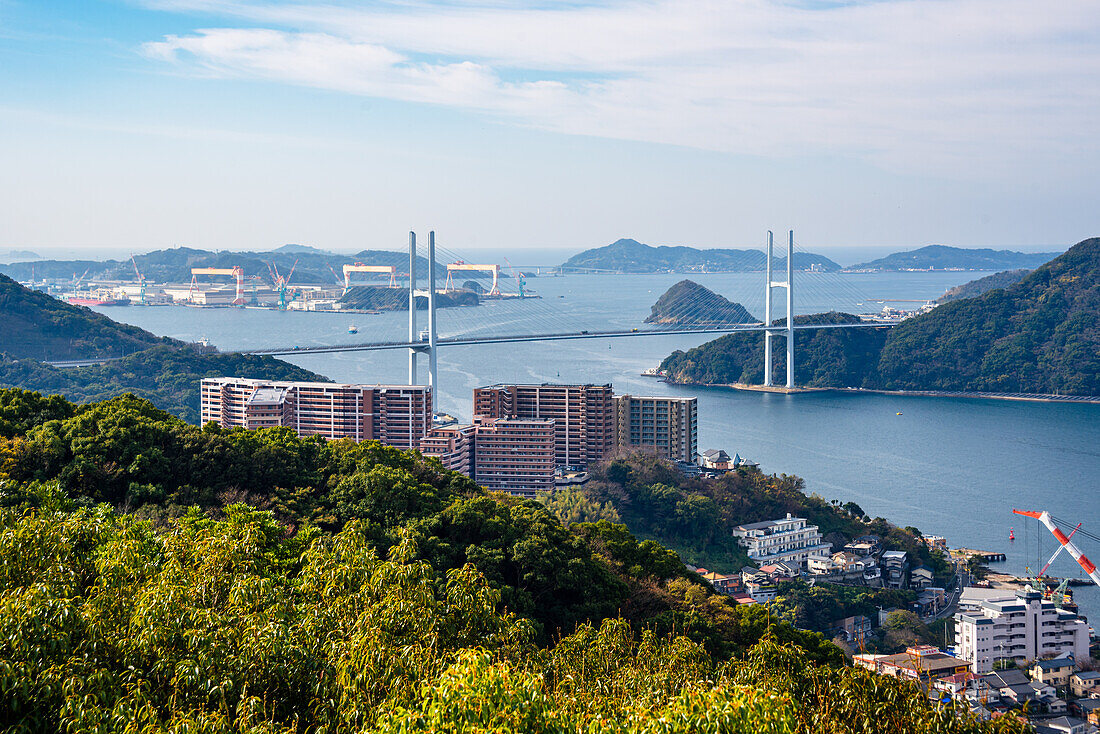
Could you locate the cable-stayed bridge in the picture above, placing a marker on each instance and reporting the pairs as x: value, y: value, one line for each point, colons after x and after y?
x: 517, y: 317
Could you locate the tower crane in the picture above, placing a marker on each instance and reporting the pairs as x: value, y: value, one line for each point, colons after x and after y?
x: 1066, y: 543
x: 281, y: 284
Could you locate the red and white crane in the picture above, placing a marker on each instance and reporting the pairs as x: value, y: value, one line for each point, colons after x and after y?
x: 1066, y: 543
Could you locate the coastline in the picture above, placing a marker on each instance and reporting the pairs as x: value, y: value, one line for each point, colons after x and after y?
x: 1031, y: 397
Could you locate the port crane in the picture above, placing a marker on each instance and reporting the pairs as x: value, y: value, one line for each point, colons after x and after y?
x: 237, y: 272
x: 281, y: 284
x: 141, y: 280
x: 389, y: 270
x: 1065, y: 542
x: 461, y: 266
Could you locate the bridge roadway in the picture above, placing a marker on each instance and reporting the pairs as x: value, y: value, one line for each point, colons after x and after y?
x: 474, y: 340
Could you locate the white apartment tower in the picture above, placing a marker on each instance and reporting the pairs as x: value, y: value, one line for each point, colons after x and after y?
x: 1019, y: 629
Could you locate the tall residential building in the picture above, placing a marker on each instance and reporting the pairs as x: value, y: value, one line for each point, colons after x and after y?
x: 666, y: 425
x: 1018, y: 630
x: 453, y: 445
x: 583, y: 415
x: 515, y: 455
x: 396, y: 415
x: 789, y: 540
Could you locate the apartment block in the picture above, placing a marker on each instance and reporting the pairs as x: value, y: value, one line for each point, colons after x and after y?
x: 396, y: 415
x: 453, y: 445
x: 1017, y: 630
x: 667, y: 425
x: 583, y: 416
x: 789, y: 540
x: 515, y: 455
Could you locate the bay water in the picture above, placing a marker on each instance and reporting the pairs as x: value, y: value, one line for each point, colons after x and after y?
x: 949, y: 466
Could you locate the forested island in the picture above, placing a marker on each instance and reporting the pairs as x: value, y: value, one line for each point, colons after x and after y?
x: 631, y: 256
x: 36, y: 328
x: 177, y: 578
x: 689, y: 304
x: 945, y: 257
x: 1040, y: 335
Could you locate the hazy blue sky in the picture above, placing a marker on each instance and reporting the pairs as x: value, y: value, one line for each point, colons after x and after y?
x: 251, y: 123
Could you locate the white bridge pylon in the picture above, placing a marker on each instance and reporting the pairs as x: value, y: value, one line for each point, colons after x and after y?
x: 787, y: 330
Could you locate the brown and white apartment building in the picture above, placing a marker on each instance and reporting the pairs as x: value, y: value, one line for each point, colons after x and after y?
x: 396, y: 415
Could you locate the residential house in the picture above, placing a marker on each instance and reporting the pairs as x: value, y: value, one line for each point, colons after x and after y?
x: 895, y: 568
x: 854, y: 630
x: 920, y: 577
x: 715, y: 459
x: 863, y: 549
x: 919, y: 662
x: 1055, y: 672
x: 722, y: 583
x: 1064, y: 725
x: 1088, y: 709
x: 935, y: 541
x: 1085, y: 683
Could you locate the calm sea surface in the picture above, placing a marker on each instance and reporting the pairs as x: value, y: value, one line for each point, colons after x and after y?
x: 952, y: 467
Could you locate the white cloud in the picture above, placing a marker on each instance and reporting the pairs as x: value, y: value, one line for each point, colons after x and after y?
x: 916, y: 84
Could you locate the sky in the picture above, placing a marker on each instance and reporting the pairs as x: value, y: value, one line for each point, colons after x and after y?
x: 537, y: 125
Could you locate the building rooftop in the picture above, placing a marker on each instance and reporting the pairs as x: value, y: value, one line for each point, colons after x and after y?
x: 1006, y: 678
x: 1055, y: 663
x: 764, y: 525
x: 1088, y: 675
x: 268, y: 395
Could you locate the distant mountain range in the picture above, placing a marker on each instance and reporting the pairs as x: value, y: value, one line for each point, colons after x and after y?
x: 631, y: 256
x: 174, y: 265
x: 1039, y: 335
x: 943, y: 257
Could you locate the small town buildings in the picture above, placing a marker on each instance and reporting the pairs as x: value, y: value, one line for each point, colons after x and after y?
x: 935, y: 541
x: 1021, y: 629
x: 862, y: 549
x: 723, y: 583
x: 1063, y: 725
x: 919, y: 662
x: 790, y: 540
x: 1088, y: 709
x: 1084, y: 684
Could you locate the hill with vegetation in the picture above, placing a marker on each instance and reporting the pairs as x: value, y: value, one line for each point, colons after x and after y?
x: 1040, y: 335
x: 35, y: 326
x: 631, y: 256
x: 981, y: 285
x: 825, y: 357
x: 311, y: 266
x: 943, y: 257
x: 38, y: 326
x: 381, y: 298
x: 689, y: 304
x: 161, y: 577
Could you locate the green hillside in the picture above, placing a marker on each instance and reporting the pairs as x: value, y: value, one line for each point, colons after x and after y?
x: 160, y: 577
x: 631, y: 256
x: 1040, y: 335
x: 825, y: 357
x: 977, y: 287
x: 35, y: 327
x: 38, y: 326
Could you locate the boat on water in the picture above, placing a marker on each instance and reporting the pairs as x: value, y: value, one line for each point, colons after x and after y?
x: 95, y: 301
x: 353, y: 329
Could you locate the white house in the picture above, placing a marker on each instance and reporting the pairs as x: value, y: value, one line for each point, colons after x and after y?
x: 789, y: 540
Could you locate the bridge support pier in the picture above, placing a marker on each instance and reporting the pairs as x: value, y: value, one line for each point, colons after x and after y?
x: 788, y: 329
x: 412, y: 307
